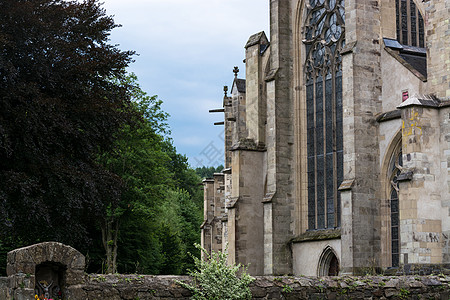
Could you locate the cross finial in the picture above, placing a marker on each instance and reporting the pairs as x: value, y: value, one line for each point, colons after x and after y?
x: 225, y: 90
x: 235, y: 71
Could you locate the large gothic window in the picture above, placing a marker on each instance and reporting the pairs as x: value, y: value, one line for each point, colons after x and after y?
x: 395, y: 166
x: 409, y: 21
x: 323, y: 40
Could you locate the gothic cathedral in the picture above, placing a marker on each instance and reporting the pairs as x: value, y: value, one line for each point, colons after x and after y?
x: 337, y: 142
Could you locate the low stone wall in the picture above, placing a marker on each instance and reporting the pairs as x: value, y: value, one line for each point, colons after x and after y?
x: 118, y: 287
x: 55, y: 268
x: 343, y: 288
x: 3, y: 288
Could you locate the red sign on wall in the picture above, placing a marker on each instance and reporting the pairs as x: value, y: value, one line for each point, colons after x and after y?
x: 405, y: 95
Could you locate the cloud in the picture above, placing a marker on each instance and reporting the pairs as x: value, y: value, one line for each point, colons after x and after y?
x: 187, y: 52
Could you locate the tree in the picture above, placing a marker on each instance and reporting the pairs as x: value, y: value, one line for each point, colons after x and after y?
x: 138, y: 158
x: 162, y: 196
x: 208, y: 172
x: 59, y: 109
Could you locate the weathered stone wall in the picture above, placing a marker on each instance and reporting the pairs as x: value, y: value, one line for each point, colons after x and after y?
x: 118, y: 287
x: 279, y: 210
x: 3, y: 288
x: 438, y: 45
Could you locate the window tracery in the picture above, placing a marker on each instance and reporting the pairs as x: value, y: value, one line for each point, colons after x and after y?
x: 395, y: 167
x: 410, y: 26
x: 323, y: 39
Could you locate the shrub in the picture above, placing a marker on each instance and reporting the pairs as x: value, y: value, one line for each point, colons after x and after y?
x: 214, y: 279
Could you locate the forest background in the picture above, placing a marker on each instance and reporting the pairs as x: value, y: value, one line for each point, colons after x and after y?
x: 86, y: 157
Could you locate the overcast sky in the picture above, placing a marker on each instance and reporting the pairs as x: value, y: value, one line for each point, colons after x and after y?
x: 187, y: 50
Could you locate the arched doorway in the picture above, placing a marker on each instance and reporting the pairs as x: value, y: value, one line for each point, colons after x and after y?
x: 328, y: 263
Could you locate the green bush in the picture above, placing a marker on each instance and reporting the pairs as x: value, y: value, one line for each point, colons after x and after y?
x: 214, y: 279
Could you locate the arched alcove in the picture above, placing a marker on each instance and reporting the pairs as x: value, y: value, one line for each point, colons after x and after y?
x: 46, y: 267
x: 50, y: 280
x: 328, y: 263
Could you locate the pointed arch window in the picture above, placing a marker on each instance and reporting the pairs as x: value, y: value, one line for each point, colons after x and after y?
x: 410, y: 26
x: 395, y: 166
x: 323, y: 39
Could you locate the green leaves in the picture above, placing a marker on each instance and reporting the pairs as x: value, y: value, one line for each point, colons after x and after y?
x: 58, y: 111
x: 214, y: 279
x: 161, y: 195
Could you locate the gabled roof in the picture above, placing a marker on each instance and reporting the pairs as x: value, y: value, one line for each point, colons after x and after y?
x: 257, y: 38
x: 424, y: 100
x: 240, y: 85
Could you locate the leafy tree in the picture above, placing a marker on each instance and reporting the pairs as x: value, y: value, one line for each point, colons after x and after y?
x: 208, y: 172
x: 58, y: 111
x: 138, y: 158
x: 180, y: 220
x: 84, y: 152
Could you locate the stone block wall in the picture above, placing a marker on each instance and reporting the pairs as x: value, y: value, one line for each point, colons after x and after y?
x: 121, y: 287
x: 438, y: 45
x: 3, y: 288
x: 279, y: 209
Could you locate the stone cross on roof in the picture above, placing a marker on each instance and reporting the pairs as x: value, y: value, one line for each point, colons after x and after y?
x: 236, y: 71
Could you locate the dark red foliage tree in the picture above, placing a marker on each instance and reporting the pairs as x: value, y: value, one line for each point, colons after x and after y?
x: 59, y: 109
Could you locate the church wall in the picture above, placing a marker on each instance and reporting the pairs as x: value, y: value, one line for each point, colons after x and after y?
x: 300, y: 141
x: 438, y: 44
x: 395, y: 79
x: 306, y: 255
x: 254, y: 82
x: 361, y: 101
x: 444, y: 180
x: 280, y: 140
x: 388, y: 130
x: 248, y: 223
x: 239, y: 115
x: 420, y: 198
x: 208, y: 214
x: 271, y: 114
x: 219, y: 210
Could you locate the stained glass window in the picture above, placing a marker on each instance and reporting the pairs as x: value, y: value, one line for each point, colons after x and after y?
x: 409, y: 22
x: 324, y: 39
x: 395, y: 166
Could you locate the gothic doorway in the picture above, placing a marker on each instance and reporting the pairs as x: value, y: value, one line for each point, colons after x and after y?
x: 328, y: 263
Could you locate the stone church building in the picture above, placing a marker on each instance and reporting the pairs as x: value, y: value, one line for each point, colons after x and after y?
x: 337, y: 142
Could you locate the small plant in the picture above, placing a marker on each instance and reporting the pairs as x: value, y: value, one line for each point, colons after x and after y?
x: 404, y: 293
x: 278, y: 279
x: 287, y: 288
x: 99, y: 278
x: 214, y: 279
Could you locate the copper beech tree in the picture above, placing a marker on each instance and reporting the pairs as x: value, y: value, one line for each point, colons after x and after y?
x: 59, y: 109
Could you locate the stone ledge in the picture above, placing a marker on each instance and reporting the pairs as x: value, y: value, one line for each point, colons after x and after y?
x: 318, y: 235
x: 248, y: 145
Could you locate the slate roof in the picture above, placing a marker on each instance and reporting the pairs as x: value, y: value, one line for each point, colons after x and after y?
x: 414, y: 56
x: 424, y: 100
x: 418, y: 62
x: 240, y: 84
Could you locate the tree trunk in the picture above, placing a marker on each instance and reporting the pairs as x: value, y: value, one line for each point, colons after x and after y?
x: 110, y: 230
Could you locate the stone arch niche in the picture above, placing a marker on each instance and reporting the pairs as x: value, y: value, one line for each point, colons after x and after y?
x: 328, y: 263
x: 49, y: 267
x: 49, y: 279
